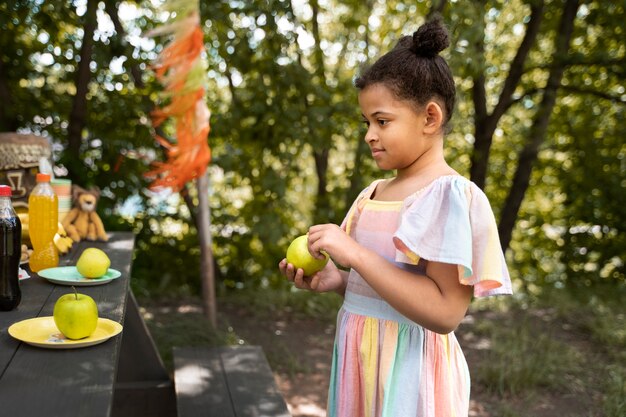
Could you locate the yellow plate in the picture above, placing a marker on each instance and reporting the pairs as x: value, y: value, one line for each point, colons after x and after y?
x: 42, y: 332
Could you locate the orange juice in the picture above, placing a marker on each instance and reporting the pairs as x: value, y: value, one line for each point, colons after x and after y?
x: 43, y: 209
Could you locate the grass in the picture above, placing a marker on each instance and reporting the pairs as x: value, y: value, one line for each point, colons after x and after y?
x: 614, y: 404
x: 522, y: 359
x: 558, y: 345
x: 180, y: 325
x: 603, y: 318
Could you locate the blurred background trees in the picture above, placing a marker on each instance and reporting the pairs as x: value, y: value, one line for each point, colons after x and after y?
x: 539, y: 124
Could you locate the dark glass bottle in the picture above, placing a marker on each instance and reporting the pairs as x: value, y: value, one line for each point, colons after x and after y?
x: 10, y: 252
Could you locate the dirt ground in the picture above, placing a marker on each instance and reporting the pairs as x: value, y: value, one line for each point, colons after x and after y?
x: 299, y: 351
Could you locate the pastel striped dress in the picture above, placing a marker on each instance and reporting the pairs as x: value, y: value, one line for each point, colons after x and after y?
x: 385, y: 365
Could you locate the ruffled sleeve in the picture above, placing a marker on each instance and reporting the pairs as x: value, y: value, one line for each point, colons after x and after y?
x: 452, y: 222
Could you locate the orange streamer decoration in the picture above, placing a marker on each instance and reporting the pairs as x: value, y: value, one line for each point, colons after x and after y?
x: 179, y: 69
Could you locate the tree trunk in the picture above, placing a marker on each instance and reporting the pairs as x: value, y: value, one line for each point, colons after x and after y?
x: 436, y: 9
x: 207, y: 272
x: 322, y: 203
x: 537, y: 136
x: 356, y: 176
x: 8, y: 121
x: 83, y: 76
x: 320, y: 153
x: 485, y: 124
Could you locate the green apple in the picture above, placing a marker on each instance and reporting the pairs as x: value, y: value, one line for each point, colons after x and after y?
x: 298, y: 254
x: 76, y: 315
x: 93, y: 263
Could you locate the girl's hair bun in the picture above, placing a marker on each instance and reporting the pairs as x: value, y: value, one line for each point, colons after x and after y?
x: 430, y: 39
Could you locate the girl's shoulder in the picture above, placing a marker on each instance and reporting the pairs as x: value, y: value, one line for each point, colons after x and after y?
x: 369, y: 191
x: 443, y: 187
x: 447, y: 197
x: 389, y: 190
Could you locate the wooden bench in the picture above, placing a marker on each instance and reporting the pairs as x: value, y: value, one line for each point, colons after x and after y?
x: 228, y: 381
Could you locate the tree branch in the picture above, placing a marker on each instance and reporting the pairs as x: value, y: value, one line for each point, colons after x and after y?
x: 529, y: 92
x: 517, y: 65
x: 83, y: 75
x: 479, y: 94
x: 436, y: 9
x: 184, y: 193
x: 606, y: 96
x: 231, y: 87
x: 135, y: 71
x: 479, y: 98
x: 613, y: 66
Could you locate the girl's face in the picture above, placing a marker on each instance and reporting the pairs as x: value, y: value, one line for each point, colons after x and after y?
x: 395, y: 132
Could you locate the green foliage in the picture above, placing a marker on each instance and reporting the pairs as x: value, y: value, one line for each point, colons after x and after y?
x: 281, y: 94
x: 594, y: 241
x: 166, y: 262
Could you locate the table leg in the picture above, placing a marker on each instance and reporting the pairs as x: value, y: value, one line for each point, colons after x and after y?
x: 143, y: 386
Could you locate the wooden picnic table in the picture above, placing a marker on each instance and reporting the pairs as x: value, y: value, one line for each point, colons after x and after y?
x: 122, y: 376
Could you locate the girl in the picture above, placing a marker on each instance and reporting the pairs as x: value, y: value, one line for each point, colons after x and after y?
x: 417, y: 247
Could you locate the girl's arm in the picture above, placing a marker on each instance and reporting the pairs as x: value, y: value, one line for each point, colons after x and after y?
x: 436, y: 301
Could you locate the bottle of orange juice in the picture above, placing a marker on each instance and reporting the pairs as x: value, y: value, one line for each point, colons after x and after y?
x: 43, y: 218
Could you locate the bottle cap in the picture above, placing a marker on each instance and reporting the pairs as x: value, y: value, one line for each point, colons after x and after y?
x: 41, y: 177
x: 5, y: 191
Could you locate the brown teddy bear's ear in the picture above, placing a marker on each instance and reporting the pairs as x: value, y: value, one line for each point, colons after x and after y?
x: 95, y: 191
x: 76, y: 192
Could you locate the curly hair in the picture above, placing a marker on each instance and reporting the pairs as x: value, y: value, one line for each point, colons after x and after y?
x: 413, y: 69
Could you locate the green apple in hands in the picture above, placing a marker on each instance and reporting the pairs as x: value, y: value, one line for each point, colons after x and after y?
x: 93, y: 263
x: 299, y: 256
x: 75, y: 315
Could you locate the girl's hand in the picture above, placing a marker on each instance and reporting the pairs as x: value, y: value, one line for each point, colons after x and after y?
x: 328, y: 279
x: 331, y: 239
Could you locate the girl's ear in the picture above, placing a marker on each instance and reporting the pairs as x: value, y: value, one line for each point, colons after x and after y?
x: 434, y: 118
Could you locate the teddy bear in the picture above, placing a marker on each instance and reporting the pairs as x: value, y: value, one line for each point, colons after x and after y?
x: 82, y: 222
